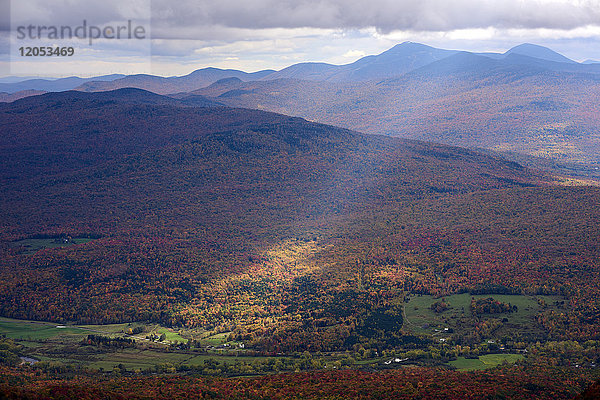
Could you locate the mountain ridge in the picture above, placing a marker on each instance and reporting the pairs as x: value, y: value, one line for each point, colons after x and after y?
x: 54, y: 85
x: 400, y: 59
x: 164, y: 85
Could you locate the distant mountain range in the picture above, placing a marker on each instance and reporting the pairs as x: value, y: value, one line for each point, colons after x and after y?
x: 528, y: 101
x: 52, y: 85
x: 186, y: 83
x: 398, y: 60
x: 512, y: 104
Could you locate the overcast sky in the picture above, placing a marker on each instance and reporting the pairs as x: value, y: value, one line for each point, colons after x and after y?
x: 259, y: 34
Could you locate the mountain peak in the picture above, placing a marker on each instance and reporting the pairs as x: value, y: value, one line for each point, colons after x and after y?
x: 410, y: 47
x: 205, y: 70
x: 537, y: 51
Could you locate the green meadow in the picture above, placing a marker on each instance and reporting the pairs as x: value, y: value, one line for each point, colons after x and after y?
x: 421, y: 319
x: 484, y: 362
x: 45, y: 341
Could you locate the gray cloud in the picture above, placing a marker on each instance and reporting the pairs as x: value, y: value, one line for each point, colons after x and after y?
x: 188, y: 19
x: 384, y: 15
x: 69, y: 12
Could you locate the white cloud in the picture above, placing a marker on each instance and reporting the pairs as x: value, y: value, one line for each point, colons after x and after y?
x: 354, y: 54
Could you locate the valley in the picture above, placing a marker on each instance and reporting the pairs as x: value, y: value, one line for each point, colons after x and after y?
x: 143, y: 347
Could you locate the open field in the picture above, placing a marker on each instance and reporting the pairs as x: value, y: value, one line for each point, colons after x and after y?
x: 170, y: 335
x: 215, y: 340
x: 33, y: 330
x: 484, y: 362
x: 45, y: 341
x: 420, y: 319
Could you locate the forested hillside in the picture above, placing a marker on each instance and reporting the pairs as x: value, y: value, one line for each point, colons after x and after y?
x: 291, y: 234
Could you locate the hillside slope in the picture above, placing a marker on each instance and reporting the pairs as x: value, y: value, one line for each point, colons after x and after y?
x: 220, y: 218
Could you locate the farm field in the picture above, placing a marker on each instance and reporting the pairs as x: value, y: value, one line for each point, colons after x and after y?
x: 31, y: 246
x: 484, y: 362
x: 45, y: 341
x: 458, y: 317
